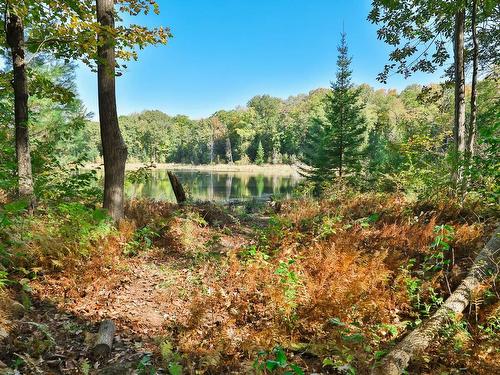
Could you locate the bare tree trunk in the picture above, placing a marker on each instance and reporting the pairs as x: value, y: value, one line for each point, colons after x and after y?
x: 418, y: 340
x: 212, y: 142
x: 180, y: 194
x: 211, y: 148
x: 471, y: 136
x: 459, y: 131
x: 15, y: 40
x: 229, y: 152
x: 113, y: 146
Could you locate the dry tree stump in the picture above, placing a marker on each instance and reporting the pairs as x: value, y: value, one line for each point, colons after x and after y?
x: 104, y: 340
x: 180, y: 194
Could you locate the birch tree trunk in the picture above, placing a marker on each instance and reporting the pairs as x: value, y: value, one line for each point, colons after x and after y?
x: 229, y: 152
x: 15, y: 40
x: 418, y: 340
x: 113, y: 145
x: 471, y: 136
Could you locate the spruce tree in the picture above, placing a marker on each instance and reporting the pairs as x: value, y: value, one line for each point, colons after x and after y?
x: 259, y: 158
x: 347, y: 124
x: 334, y: 145
x: 316, y: 154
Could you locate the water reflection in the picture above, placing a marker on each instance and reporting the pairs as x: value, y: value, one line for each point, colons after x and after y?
x: 213, y: 186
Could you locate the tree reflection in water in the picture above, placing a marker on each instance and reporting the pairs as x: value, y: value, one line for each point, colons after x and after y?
x: 214, y: 186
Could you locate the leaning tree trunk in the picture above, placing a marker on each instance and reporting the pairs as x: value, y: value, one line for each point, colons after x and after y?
x: 418, y: 340
x: 180, y: 194
x: 459, y: 131
x: 113, y: 147
x: 15, y: 40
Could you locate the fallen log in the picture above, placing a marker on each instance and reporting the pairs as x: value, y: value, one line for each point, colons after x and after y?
x: 104, y: 340
x: 180, y: 194
x: 418, y: 340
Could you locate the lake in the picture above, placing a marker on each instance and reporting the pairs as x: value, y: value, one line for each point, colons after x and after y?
x: 214, y: 186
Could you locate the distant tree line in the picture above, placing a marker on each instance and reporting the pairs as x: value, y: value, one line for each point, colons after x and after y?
x: 402, y: 129
x: 405, y: 140
x: 391, y: 116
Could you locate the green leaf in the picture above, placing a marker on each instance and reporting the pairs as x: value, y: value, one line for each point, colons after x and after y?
x: 75, y: 8
x: 328, y: 362
x: 16, y: 206
x: 393, y: 330
x: 296, y: 369
x: 272, y: 365
x: 280, y: 357
x: 174, y: 368
x: 379, y: 354
x: 356, y: 338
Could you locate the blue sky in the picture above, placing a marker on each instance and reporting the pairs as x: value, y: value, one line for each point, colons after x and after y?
x: 226, y: 51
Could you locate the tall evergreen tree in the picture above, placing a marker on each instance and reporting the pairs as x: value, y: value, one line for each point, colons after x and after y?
x: 333, y: 145
x: 316, y: 155
x: 344, y: 114
x: 260, y: 157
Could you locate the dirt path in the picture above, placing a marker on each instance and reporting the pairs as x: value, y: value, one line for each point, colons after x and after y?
x: 147, y: 296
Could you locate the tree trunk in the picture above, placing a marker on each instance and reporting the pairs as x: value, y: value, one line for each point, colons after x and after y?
x: 180, y: 194
x: 229, y: 152
x: 113, y: 146
x: 418, y: 340
x: 471, y: 136
x: 459, y: 131
x: 104, y: 340
x: 15, y: 40
x: 275, y: 155
x: 211, y: 143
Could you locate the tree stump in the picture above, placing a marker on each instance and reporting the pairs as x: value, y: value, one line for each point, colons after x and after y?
x: 104, y: 341
x: 180, y: 194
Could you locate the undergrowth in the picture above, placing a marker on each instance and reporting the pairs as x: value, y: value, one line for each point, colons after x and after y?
x: 326, y: 286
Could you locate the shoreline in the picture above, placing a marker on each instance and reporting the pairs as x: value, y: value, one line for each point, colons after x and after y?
x: 275, y: 169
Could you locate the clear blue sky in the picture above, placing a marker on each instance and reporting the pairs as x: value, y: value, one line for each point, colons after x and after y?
x: 226, y: 51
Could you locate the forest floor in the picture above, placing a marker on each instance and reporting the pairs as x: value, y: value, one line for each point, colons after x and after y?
x: 305, y: 286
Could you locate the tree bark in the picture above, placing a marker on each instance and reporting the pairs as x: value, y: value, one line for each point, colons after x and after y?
x: 211, y: 143
x: 471, y: 136
x: 418, y: 340
x: 459, y: 131
x: 229, y: 152
x: 104, y: 340
x: 15, y: 40
x: 113, y: 146
x: 180, y: 194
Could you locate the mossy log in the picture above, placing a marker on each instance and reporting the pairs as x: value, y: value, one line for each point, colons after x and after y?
x: 418, y: 340
x: 104, y: 340
x: 180, y: 194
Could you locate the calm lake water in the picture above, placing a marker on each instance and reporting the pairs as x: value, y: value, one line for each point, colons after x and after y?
x: 214, y: 186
